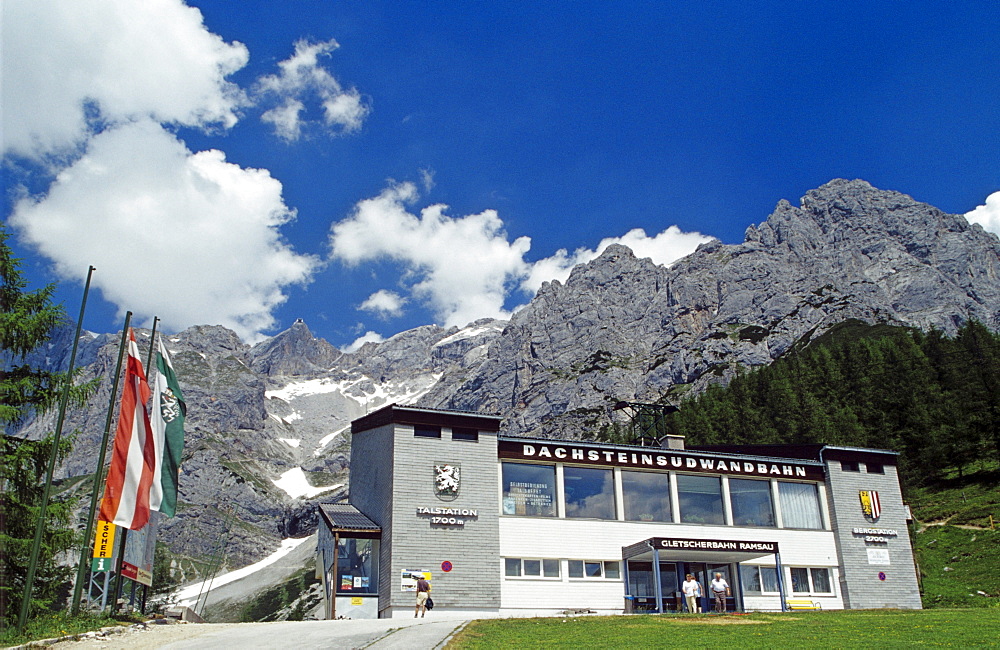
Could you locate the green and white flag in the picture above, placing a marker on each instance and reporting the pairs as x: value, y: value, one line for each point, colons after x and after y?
x: 167, y: 417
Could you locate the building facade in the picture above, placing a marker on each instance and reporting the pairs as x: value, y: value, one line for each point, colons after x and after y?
x: 520, y: 527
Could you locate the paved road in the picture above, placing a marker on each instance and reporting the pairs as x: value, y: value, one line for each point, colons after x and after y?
x: 369, y: 634
x: 377, y: 634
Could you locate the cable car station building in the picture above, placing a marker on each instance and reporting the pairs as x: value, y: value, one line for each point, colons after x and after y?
x: 521, y: 527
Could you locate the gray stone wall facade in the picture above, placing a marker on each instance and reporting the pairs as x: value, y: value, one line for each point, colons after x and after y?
x: 861, y: 584
x: 473, y: 548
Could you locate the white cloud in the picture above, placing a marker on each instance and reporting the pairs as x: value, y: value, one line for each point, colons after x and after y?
x: 664, y: 248
x: 181, y: 235
x: 462, y: 266
x: 70, y: 65
x: 385, y: 304
x: 367, y: 337
x: 301, y: 77
x: 988, y: 215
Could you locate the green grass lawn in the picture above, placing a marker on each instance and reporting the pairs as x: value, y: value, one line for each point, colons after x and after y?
x: 960, y: 628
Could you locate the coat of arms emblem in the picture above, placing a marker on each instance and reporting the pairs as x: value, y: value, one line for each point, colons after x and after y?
x: 447, y: 479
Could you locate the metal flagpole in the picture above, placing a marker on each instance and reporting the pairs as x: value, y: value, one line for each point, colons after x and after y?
x: 40, y: 524
x: 98, y: 475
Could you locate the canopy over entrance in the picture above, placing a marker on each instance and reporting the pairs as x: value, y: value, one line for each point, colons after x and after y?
x: 698, y: 550
x: 694, y: 551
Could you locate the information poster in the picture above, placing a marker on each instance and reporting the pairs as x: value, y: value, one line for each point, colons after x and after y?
x: 878, y: 556
x: 409, y: 578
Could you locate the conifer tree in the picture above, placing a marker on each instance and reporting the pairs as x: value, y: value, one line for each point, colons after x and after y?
x: 27, y: 319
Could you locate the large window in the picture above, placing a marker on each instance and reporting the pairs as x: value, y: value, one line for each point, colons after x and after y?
x: 700, y: 499
x: 751, y: 502
x: 529, y: 490
x: 590, y: 492
x: 799, y: 505
x: 358, y: 566
x: 646, y: 495
x: 759, y: 579
x: 816, y: 581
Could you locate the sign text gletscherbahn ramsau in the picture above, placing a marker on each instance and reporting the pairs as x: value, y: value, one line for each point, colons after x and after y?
x: 737, y: 545
x: 657, y: 459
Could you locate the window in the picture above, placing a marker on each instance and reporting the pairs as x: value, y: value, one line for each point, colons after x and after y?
x: 530, y: 568
x: 806, y: 581
x: 700, y: 499
x: 357, y: 564
x: 849, y: 466
x: 751, y: 500
x: 529, y: 490
x: 420, y: 431
x: 461, y: 433
x: 759, y: 579
x: 799, y: 505
x: 590, y: 492
x: 800, y: 580
x: 875, y: 468
x: 595, y: 569
x: 646, y: 495
x: 820, y: 580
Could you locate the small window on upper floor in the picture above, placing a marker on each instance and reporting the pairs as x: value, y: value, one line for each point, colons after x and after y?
x: 426, y: 432
x: 875, y: 468
x: 850, y: 466
x: 462, y: 433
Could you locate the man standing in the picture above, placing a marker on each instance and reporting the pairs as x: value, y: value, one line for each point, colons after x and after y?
x: 423, y: 593
x: 692, y: 592
x: 720, y: 589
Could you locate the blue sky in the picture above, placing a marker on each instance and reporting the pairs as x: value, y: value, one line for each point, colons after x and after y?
x: 252, y: 163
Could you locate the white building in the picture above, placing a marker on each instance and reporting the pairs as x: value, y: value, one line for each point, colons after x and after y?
x: 519, y: 527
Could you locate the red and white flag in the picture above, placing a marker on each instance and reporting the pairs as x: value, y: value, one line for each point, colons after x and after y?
x: 126, y: 493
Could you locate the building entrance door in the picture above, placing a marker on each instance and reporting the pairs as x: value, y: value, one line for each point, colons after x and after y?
x: 704, y: 573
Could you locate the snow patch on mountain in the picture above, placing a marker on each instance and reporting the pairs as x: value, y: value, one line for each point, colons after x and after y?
x: 295, y: 483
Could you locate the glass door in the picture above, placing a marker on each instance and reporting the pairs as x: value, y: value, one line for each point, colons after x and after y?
x: 727, y: 575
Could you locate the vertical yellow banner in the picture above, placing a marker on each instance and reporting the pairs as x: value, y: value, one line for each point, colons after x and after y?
x: 104, y: 542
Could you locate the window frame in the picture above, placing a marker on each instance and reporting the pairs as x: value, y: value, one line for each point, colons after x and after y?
x: 607, y: 471
x: 850, y: 466
x: 601, y: 565
x: 522, y: 575
x: 680, y: 517
x: 556, y: 490
x: 626, y: 501
x: 812, y: 591
x: 426, y: 431
x: 770, y: 500
x: 465, y: 434
x: 760, y: 577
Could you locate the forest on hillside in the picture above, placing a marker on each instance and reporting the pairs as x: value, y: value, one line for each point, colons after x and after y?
x: 931, y: 397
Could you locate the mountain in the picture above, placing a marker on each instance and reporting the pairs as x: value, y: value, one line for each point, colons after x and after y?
x: 266, y: 423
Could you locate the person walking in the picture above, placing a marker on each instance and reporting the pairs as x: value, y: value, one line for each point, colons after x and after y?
x: 691, y: 589
x: 720, y: 590
x: 423, y: 593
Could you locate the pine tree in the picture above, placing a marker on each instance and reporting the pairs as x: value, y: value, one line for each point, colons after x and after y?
x: 27, y: 319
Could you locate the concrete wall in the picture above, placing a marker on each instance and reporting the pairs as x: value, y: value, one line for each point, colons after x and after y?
x: 418, y: 544
x: 860, y: 583
x: 372, y: 468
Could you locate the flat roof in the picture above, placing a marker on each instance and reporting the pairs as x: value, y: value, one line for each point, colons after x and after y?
x: 416, y: 415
